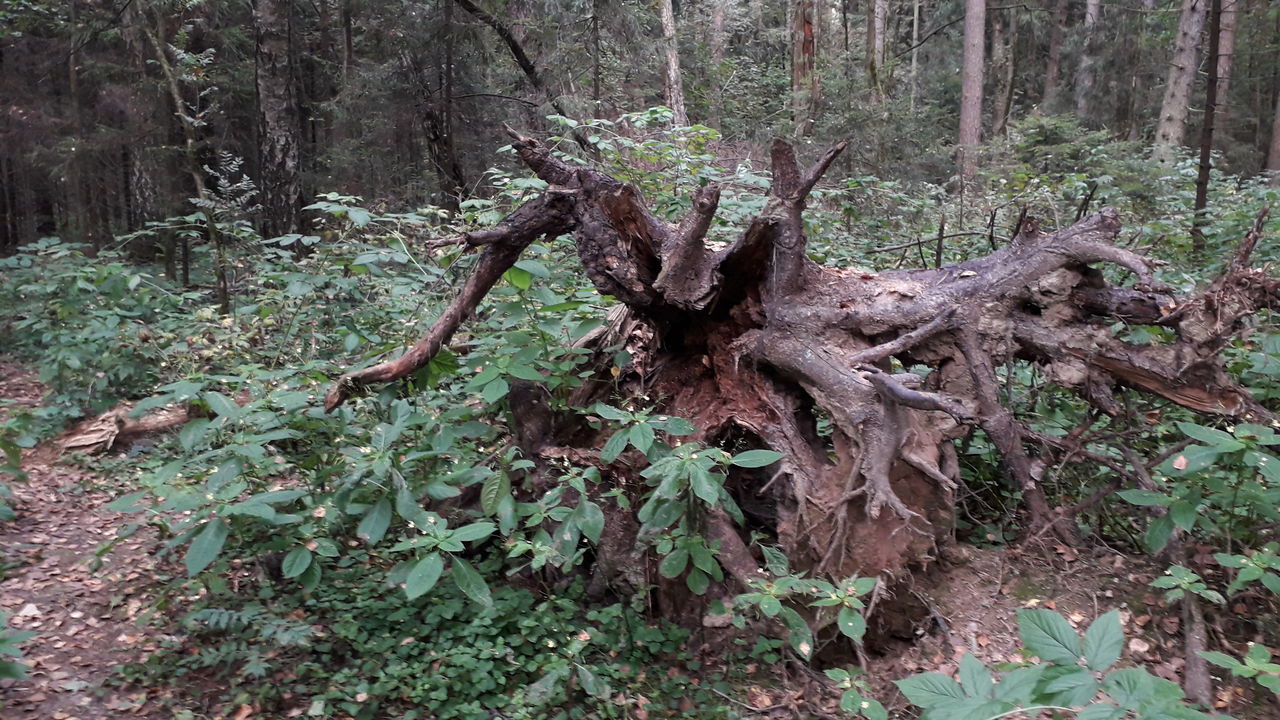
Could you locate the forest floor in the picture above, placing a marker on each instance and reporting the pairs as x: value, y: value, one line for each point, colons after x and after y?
x: 89, y: 622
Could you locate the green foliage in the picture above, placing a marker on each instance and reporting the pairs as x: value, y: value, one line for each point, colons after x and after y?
x: 1075, y: 675
x: 351, y: 648
x: 9, y: 642
x: 1255, y: 664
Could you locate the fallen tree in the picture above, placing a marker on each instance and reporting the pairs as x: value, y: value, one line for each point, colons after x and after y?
x: 755, y: 343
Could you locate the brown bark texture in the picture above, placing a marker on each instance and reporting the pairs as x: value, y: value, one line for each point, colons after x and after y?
x: 279, y: 128
x: 1176, y: 104
x: 756, y: 344
x: 973, y: 74
x: 805, y: 88
x: 673, y: 87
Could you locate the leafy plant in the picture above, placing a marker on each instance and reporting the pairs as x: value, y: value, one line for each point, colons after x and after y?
x: 1075, y: 674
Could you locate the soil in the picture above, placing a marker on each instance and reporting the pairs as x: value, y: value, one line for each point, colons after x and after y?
x: 87, y: 622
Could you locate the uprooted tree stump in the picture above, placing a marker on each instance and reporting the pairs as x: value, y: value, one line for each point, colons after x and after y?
x: 755, y: 343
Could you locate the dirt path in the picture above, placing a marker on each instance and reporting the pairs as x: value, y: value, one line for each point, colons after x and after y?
x: 85, y: 620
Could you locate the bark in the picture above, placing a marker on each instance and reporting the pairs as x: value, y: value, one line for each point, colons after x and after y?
x: 672, y: 85
x: 1226, y: 63
x: 877, y: 18
x: 1181, y: 80
x: 1206, y: 130
x: 1088, y: 59
x: 805, y: 90
x: 754, y: 342
x: 1053, y: 66
x: 1004, y: 43
x: 973, y: 74
x: 279, y: 127
x: 1273, y: 156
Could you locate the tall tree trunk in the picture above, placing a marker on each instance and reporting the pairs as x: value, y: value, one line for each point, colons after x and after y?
x: 1053, y: 66
x: 1088, y: 58
x: 915, y: 51
x: 1226, y: 62
x: 805, y: 90
x: 672, y: 86
x: 1273, y: 157
x: 972, y: 76
x: 1004, y: 42
x: 1182, y: 77
x: 278, y: 118
x: 1206, y: 129
x: 877, y: 19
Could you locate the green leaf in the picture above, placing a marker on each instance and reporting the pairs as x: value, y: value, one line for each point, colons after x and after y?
x: 128, y: 503
x: 697, y: 581
x: 930, y: 690
x: 591, y: 684
x: 495, y: 390
x: 1221, y: 660
x: 1100, y: 712
x: 296, y: 562
x: 520, y: 278
x: 1183, y: 514
x: 1129, y: 686
x: 614, y: 447
x: 1193, y: 460
x: 851, y: 623
x: 756, y: 458
x: 799, y: 635
x: 1217, y: 439
x: 470, y: 582
x: 591, y: 521
x: 423, y: 576
x: 674, y: 563
x: 1158, y: 533
x: 641, y: 436
x: 206, y: 546
x: 1049, y: 636
x: 375, y: 523
x: 975, y: 678
x: 495, y: 488
x: 770, y: 605
x: 474, y: 531
x: 533, y: 267
x: 1145, y: 498
x: 705, y: 486
x: 1103, y: 642
x: 220, y: 404
x: 1071, y: 685
x: 1019, y: 686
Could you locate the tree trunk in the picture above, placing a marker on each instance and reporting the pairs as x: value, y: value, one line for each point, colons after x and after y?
x: 1088, y: 58
x: 1053, y: 66
x: 1182, y: 77
x: 1273, y: 156
x: 877, y: 20
x: 1004, y: 43
x: 754, y: 343
x: 1226, y: 62
x: 672, y: 85
x: 278, y: 118
x: 1206, y: 130
x: 973, y: 74
x: 805, y: 90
